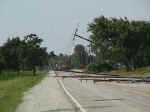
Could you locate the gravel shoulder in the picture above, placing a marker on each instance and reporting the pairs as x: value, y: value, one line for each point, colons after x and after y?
x: 47, y: 96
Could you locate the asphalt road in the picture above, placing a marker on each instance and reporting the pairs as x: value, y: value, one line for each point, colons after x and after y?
x: 49, y: 96
x: 109, y: 97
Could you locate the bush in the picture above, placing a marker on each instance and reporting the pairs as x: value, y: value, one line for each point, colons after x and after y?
x: 99, y: 67
x: 106, y: 67
x: 93, y: 68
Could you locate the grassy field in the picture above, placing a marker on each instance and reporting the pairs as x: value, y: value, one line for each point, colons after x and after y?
x: 141, y: 72
x: 12, y: 88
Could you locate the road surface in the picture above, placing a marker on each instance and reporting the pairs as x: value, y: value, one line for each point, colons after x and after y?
x: 49, y: 96
x: 109, y: 97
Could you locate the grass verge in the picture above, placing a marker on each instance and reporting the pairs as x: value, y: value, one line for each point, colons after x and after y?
x: 12, y: 88
x: 140, y: 72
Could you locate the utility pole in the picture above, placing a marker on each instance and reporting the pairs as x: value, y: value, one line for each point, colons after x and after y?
x: 81, y: 37
x: 91, y: 60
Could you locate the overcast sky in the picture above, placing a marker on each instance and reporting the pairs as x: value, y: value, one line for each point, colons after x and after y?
x: 55, y: 20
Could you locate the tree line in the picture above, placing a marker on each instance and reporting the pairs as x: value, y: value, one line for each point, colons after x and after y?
x: 120, y: 42
x: 116, y: 43
x: 80, y: 58
x: 23, y: 54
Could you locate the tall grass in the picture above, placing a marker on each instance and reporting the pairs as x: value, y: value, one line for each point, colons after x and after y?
x: 12, y: 88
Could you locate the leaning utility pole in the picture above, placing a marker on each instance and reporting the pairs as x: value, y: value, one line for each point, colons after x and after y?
x: 81, y: 37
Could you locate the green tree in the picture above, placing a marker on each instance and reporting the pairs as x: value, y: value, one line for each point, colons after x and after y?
x: 79, y: 56
x: 120, y: 41
x: 2, y: 62
x: 34, y: 55
x: 11, y: 53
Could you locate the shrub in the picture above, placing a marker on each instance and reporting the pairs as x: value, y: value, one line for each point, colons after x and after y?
x: 93, y: 68
x: 99, y: 67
